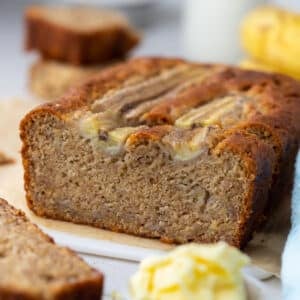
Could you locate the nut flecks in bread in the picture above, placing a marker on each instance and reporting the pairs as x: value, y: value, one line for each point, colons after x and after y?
x: 166, y: 149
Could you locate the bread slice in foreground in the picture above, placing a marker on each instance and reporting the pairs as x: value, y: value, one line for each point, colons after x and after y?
x: 164, y: 148
x: 78, y: 35
x: 50, y: 79
x: 33, y: 267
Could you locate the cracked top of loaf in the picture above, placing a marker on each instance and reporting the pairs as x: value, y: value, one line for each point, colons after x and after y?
x: 184, y: 105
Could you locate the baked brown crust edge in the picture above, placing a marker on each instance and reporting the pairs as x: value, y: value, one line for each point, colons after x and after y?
x: 88, y: 289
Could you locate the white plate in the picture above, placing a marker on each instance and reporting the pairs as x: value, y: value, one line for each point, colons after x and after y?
x: 101, y: 247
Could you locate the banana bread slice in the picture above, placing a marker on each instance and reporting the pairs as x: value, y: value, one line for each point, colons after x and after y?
x: 33, y: 267
x: 51, y: 79
x: 164, y: 148
x: 78, y: 35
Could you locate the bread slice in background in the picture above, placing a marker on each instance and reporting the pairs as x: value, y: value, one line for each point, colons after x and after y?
x: 164, y: 148
x: 33, y: 267
x: 51, y: 79
x: 78, y: 35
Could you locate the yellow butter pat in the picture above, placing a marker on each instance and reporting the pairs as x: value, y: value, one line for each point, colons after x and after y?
x: 192, y: 272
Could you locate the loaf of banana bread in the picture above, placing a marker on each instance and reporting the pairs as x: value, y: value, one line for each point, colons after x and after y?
x: 32, y: 267
x: 164, y: 148
x: 78, y: 35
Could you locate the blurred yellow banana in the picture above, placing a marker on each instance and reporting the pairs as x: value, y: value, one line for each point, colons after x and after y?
x: 272, y: 37
x: 252, y: 64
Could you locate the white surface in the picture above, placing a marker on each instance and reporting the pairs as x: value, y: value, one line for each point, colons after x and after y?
x: 128, y: 3
x: 101, y: 247
x: 211, y: 29
x: 288, y: 4
x: 117, y: 274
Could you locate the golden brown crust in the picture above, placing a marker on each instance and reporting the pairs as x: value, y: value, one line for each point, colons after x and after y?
x: 155, y: 133
x: 86, y: 288
x: 55, y: 41
x: 265, y: 141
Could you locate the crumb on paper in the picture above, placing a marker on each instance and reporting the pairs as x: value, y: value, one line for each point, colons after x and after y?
x: 4, y: 159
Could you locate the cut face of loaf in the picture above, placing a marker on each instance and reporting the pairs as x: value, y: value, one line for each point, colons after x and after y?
x: 163, y: 148
x: 78, y: 35
x: 33, y: 267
